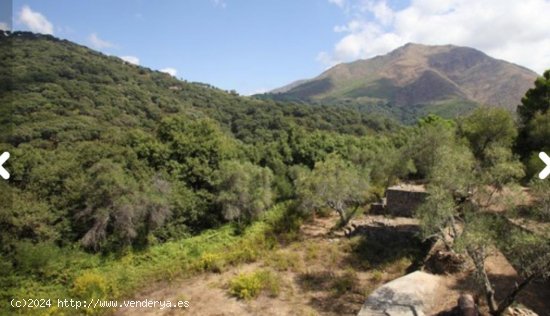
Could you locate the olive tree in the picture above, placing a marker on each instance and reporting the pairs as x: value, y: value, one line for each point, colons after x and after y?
x: 333, y: 183
x: 529, y: 253
x: 463, y: 179
x: 449, y: 179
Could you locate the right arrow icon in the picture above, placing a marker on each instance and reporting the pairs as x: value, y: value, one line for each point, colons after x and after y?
x: 546, y: 171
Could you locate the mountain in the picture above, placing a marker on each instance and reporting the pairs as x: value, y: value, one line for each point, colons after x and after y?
x: 417, y: 75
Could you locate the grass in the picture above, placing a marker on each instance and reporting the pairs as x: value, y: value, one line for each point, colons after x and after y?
x: 284, y: 260
x: 78, y: 274
x: 346, y: 282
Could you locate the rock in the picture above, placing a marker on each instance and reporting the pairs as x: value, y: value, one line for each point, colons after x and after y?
x: 409, y: 295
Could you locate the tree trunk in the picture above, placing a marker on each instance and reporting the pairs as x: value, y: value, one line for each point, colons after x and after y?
x: 478, y: 257
x: 443, y: 237
x: 467, y: 306
x: 453, y: 227
x: 343, y: 218
x: 339, y: 208
x: 510, y: 299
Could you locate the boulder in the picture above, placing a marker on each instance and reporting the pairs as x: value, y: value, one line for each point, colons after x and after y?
x: 410, y: 295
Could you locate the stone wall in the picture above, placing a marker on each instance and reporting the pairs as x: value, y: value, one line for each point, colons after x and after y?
x: 403, y: 201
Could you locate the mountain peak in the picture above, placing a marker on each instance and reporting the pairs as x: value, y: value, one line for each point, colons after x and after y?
x: 419, y: 75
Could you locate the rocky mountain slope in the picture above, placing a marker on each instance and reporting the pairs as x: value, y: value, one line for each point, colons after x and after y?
x: 415, y: 75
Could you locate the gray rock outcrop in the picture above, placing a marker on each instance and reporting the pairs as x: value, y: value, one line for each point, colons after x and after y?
x: 409, y: 295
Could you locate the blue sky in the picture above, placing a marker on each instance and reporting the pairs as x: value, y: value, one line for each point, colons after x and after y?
x: 252, y: 46
x: 242, y: 45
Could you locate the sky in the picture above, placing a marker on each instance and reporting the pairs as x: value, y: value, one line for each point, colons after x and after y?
x: 254, y: 46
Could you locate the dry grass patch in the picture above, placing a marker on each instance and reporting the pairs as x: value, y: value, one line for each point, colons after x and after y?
x: 285, y: 260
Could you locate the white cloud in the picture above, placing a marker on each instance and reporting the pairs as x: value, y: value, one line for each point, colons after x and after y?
x: 517, y: 31
x: 4, y: 26
x: 35, y: 21
x: 99, y: 43
x: 171, y: 71
x: 130, y: 59
x: 339, y: 3
x: 219, y: 4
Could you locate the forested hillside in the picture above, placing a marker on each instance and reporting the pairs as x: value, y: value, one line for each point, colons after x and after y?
x: 82, y: 126
x: 121, y: 169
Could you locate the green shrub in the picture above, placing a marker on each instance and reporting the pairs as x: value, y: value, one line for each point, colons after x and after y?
x: 36, y: 258
x: 212, y: 262
x: 92, y: 285
x: 244, y: 254
x: 249, y: 285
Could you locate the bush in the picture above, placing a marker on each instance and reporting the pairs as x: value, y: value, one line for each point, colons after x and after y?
x: 243, y: 254
x: 210, y: 262
x: 92, y: 285
x: 249, y: 285
x: 36, y: 258
x: 541, y: 192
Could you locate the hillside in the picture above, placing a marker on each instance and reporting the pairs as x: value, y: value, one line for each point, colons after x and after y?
x: 81, y: 125
x: 49, y: 79
x: 109, y: 158
x: 125, y: 180
x: 418, y: 75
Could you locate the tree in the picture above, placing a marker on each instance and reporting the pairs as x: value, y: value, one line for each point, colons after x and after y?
x: 534, y: 118
x: 449, y: 179
x: 529, y: 253
x: 117, y: 209
x: 430, y: 134
x: 196, y: 149
x: 536, y: 100
x: 536, y: 138
x: 463, y: 188
x: 488, y: 127
x: 333, y: 183
x: 244, y: 190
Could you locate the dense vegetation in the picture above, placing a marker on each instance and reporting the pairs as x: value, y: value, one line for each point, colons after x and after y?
x: 93, y: 137
x: 116, y: 167
x: 110, y: 158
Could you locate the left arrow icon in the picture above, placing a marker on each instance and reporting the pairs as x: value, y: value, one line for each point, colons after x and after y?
x: 3, y: 172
